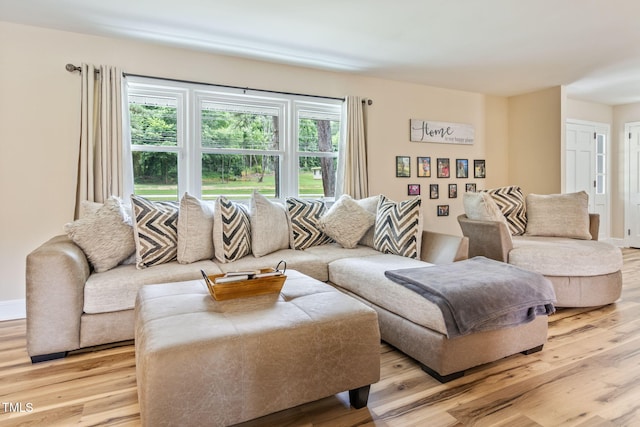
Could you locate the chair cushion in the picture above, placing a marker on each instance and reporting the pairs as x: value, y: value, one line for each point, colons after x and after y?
x: 558, y: 215
x: 559, y: 256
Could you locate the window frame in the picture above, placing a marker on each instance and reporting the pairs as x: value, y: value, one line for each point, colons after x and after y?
x: 190, y: 96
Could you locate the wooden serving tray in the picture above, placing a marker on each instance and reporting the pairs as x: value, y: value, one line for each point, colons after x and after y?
x: 245, y: 288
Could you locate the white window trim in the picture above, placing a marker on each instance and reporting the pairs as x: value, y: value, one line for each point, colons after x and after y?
x: 189, y: 147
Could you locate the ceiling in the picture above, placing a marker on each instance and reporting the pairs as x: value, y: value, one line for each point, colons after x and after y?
x: 498, y: 47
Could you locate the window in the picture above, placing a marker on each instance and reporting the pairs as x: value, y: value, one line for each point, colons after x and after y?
x: 212, y: 141
x: 601, y: 161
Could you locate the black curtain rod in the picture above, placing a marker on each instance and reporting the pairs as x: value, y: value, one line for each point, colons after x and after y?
x: 233, y: 87
x: 72, y: 68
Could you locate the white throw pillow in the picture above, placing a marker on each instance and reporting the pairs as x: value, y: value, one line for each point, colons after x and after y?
x: 269, y: 226
x: 155, y: 228
x: 231, y: 230
x: 371, y: 205
x: 105, y: 236
x: 558, y: 215
x: 195, y: 230
x: 481, y: 206
x: 346, y: 222
x: 397, y: 227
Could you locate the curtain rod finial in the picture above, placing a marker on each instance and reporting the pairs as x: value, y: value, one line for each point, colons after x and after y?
x: 71, y: 68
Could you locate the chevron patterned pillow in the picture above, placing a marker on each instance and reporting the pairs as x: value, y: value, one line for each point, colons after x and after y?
x: 397, y: 227
x: 510, y: 200
x: 231, y: 230
x: 304, y: 216
x: 155, y: 228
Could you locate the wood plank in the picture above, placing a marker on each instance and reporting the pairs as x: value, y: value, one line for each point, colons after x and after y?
x: 588, y: 374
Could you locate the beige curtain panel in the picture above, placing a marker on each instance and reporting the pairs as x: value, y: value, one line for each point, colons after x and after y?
x: 100, y: 156
x: 355, y: 182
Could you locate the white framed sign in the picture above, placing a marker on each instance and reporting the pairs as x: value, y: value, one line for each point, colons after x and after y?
x: 441, y: 132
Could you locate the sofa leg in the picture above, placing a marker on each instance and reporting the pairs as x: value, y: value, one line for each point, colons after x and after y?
x: 533, y: 350
x: 442, y: 378
x: 358, y: 397
x: 46, y: 357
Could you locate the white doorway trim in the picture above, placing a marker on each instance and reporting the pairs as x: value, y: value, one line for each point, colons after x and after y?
x: 626, y: 172
x: 599, y: 202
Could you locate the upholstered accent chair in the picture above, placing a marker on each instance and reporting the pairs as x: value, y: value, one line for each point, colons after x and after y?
x: 560, y: 241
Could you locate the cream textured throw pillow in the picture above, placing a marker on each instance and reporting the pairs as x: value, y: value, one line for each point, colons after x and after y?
x: 105, y: 236
x: 558, y: 215
x: 231, y: 230
x: 346, y: 222
x: 195, y: 230
x: 269, y: 226
x: 481, y: 206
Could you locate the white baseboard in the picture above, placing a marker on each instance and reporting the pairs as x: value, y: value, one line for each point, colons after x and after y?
x: 13, y: 309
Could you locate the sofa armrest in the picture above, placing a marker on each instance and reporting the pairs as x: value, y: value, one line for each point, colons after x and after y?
x: 490, y: 239
x: 439, y: 248
x: 55, y: 276
x: 594, y: 225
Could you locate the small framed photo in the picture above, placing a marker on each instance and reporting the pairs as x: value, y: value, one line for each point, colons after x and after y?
x: 462, y: 168
x: 443, y: 210
x: 479, y: 169
x: 453, y: 191
x: 470, y: 187
x: 413, y: 189
x: 424, y: 167
x: 433, y: 191
x: 403, y: 166
x: 443, y: 168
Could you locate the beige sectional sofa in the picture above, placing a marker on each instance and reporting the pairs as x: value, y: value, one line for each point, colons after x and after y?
x: 553, y: 235
x: 70, y: 305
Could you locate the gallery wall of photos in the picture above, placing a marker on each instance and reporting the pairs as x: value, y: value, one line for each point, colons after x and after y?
x: 440, y: 169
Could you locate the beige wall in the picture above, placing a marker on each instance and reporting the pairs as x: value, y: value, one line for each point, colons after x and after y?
x: 39, y: 130
x: 536, y: 135
x: 589, y: 111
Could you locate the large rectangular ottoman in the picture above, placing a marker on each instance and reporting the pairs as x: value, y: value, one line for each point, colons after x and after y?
x: 206, y: 362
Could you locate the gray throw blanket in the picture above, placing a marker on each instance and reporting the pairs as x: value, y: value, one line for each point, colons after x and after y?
x: 480, y: 294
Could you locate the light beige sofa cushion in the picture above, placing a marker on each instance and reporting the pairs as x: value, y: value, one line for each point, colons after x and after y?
x: 116, y: 289
x: 365, y: 277
x: 558, y: 215
x: 559, y: 256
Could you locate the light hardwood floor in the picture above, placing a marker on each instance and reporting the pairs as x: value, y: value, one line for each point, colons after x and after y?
x: 588, y: 374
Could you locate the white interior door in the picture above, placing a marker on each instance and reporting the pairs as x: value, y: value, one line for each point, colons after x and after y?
x: 586, y: 167
x: 632, y: 217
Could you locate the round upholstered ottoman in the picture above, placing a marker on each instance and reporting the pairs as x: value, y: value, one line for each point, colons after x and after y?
x: 205, y: 362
